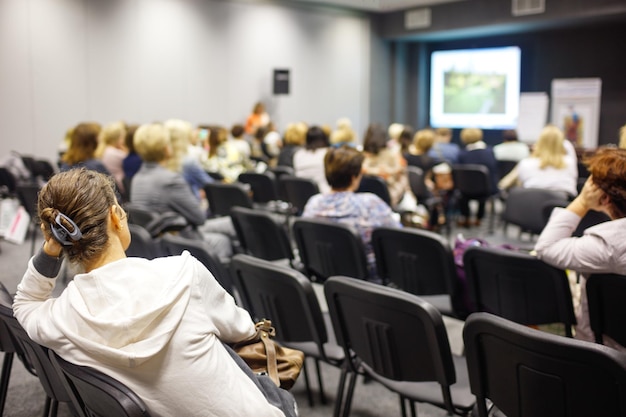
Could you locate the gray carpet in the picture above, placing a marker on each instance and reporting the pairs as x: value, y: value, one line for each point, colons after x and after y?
x: 26, y: 397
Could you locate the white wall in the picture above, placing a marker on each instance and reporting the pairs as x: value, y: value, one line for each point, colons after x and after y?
x: 66, y: 61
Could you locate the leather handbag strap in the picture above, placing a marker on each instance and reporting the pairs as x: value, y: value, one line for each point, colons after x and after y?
x: 266, y: 331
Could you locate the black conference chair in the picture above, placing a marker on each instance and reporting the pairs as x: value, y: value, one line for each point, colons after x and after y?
x: 399, y: 340
x: 28, y: 195
x: 519, y: 287
x: 262, y: 185
x: 98, y: 394
x: 142, y: 244
x: 261, y: 235
x: 8, y: 183
x: 222, y: 197
x: 605, y: 298
x: 155, y: 223
x: 37, y: 357
x: 175, y: 245
x: 287, y: 298
x: 527, y: 372
x: 418, y: 184
x: 329, y: 248
x: 421, y: 263
x: 504, y: 167
x: 474, y: 182
x: 527, y: 208
x: 375, y: 185
x: 297, y: 191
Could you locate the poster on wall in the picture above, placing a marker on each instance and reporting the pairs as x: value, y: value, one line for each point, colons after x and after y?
x: 576, y: 109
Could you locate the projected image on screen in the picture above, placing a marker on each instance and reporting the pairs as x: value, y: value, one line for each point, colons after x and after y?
x: 475, y: 87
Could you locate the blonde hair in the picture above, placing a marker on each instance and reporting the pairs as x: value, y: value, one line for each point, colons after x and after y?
x: 471, y: 135
x: 549, y: 148
x: 343, y: 134
x: 424, y: 140
x: 295, y: 134
x: 110, y: 135
x: 152, y: 142
x: 180, y: 138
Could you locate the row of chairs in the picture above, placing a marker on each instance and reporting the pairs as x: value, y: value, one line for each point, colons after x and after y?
x: 400, y: 341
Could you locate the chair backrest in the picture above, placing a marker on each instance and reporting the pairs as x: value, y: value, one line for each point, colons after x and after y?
x: 607, y: 315
x: 8, y: 344
x: 142, y: 244
x: 260, y: 234
x: 175, y: 245
x: 154, y: 223
x: 34, y: 356
x: 590, y: 219
x: 7, y: 180
x: 472, y: 180
x: 504, y: 167
x: 28, y: 195
x: 417, y: 183
x: 297, y: 191
x: 526, y: 207
x: 527, y: 372
x: 97, y: 394
x: 395, y: 334
x: 518, y: 286
x: 329, y: 248
x: 263, y: 185
x: 417, y: 261
x: 222, y: 197
x: 280, y: 294
x: 375, y: 185
x: 280, y: 170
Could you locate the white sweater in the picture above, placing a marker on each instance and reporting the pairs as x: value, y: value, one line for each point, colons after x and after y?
x: 154, y: 325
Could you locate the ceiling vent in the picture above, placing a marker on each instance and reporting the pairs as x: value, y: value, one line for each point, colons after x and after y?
x: 526, y: 7
x: 417, y: 18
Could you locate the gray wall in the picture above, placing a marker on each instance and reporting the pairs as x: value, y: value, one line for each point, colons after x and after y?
x: 66, y: 61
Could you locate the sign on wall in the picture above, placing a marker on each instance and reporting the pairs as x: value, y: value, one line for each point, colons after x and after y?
x: 576, y: 109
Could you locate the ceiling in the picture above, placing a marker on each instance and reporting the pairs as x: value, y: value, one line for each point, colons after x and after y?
x: 379, y: 5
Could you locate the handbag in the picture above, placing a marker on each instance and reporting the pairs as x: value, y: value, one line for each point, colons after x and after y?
x: 266, y: 356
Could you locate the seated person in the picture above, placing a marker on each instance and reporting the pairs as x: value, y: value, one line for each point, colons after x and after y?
x: 476, y: 152
x: 155, y: 325
x: 602, y: 248
x: 418, y: 155
x: 82, y: 149
x: 549, y: 166
x: 157, y: 188
x: 510, y: 149
x: 364, y: 211
x: 444, y: 148
x: 308, y: 162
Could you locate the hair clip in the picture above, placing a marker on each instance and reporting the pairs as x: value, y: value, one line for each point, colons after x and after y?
x: 61, y: 233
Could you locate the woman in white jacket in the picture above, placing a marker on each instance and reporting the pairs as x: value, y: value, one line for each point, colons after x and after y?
x: 156, y: 325
x: 602, y: 248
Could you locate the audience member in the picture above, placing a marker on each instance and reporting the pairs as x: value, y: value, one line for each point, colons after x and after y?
x: 112, y: 150
x: 238, y: 141
x: 510, y: 149
x: 388, y: 164
x: 81, y: 153
x: 364, y: 211
x: 308, y: 162
x: 476, y: 152
x: 406, y: 139
x: 156, y: 326
x: 224, y: 158
x: 443, y: 148
x: 257, y: 118
x: 183, y: 160
x: 132, y: 162
x: 393, y: 135
x: 548, y: 167
x: 418, y: 155
x: 293, y: 139
x: 602, y: 248
x: 272, y: 144
x: 343, y: 134
x: 156, y: 188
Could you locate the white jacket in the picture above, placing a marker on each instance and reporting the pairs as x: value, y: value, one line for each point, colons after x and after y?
x: 152, y: 324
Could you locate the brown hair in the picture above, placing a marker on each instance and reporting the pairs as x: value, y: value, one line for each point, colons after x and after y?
x: 471, y: 135
x: 608, y: 169
x: 85, y: 197
x: 424, y: 140
x: 217, y: 136
x: 341, y: 165
x: 83, y: 143
x: 375, y: 139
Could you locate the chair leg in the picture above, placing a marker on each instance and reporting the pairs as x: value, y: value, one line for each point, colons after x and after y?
x: 348, y: 402
x: 4, y: 379
x: 309, y: 394
x: 340, y: 388
x: 46, y: 408
x: 320, y: 382
x: 413, y: 409
x: 54, y: 408
x: 402, y: 406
